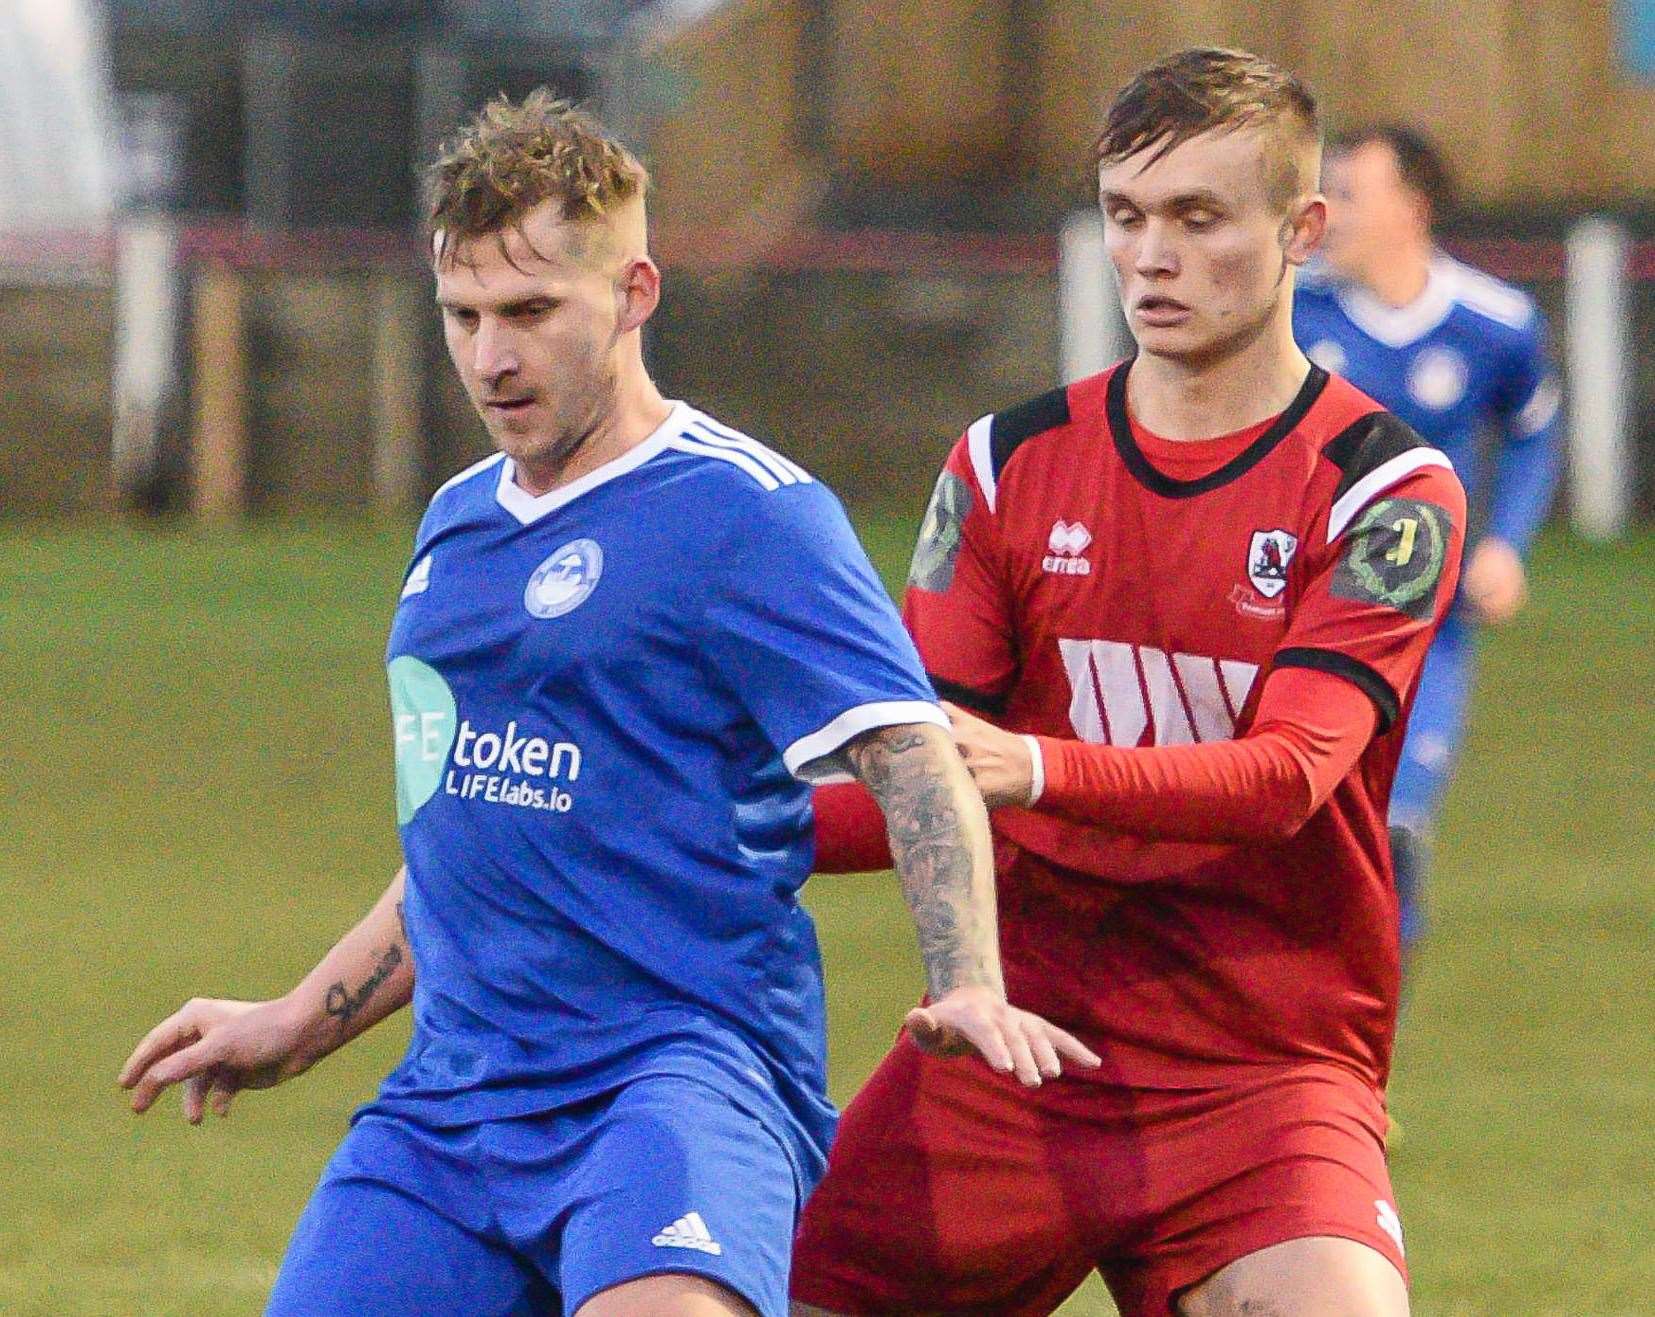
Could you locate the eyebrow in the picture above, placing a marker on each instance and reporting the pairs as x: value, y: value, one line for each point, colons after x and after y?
x: 1198, y: 199
x: 515, y: 306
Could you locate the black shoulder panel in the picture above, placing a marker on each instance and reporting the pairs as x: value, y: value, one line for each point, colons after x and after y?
x: 993, y: 705
x: 1025, y: 421
x: 1357, y: 673
x: 1368, y: 444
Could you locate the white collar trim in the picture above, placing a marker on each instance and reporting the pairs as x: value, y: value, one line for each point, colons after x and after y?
x: 528, y: 508
x: 1400, y: 326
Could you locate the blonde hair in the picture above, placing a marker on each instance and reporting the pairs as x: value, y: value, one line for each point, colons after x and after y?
x: 1206, y: 88
x: 512, y: 157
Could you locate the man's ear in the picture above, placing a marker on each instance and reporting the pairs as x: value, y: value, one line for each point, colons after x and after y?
x: 638, y: 293
x: 1304, y: 228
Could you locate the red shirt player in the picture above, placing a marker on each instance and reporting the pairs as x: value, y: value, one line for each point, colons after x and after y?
x: 1193, y: 657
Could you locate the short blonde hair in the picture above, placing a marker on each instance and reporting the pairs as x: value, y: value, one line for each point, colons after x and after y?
x: 1205, y: 88
x: 512, y: 157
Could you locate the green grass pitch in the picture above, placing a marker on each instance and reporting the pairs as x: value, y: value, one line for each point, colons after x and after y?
x: 197, y: 800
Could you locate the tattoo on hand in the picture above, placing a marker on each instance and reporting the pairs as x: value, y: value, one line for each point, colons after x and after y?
x: 932, y: 852
x: 344, y: 1005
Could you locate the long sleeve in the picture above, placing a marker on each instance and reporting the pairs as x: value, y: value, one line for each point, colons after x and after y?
x: 1310, y: 730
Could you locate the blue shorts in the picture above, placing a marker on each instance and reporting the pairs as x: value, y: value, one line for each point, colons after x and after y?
x: 537, y: 1214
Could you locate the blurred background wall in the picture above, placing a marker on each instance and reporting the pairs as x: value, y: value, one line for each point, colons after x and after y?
x: 859, y: 197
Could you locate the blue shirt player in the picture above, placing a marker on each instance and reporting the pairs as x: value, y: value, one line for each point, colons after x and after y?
x: 1457, y: 355
x: 624, y: 647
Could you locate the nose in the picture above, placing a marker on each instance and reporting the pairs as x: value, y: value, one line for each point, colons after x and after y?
x: 1157, y: 252
x: 494, y: 350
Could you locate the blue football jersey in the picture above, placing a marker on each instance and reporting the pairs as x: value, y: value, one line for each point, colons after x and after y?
x: 1468, y: 354
x: 608, y: 703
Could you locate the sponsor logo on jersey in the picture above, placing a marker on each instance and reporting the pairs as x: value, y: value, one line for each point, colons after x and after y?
x: 1134, y: 695
x: 940, y: 534
x: 1267, y: 557
x: 419, y: 580
x: 499, y: 768
x: 422, y: 727
x: 1437, y: 378
x: 1066, y: 543
x: 563, y: 582
x: 1394, y: 556
x: 509, y: 768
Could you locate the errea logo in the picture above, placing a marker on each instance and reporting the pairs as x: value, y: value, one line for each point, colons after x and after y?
x: 1066, y: 543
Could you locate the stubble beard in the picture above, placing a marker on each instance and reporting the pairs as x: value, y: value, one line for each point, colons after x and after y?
x: 574, y: 423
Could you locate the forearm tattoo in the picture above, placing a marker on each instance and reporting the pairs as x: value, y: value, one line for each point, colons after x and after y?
x: 344, y: 1005
x: 933, y: 853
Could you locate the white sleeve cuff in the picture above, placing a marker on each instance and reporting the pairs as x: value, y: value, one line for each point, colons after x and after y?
x: 1037, y: 786
x: 809, y: 752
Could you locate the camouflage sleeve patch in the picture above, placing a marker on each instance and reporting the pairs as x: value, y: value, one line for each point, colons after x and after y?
x: 940, y: 534
x: 1394, y: 555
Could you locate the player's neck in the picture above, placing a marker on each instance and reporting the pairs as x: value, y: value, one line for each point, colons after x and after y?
x: 1181, y: 400
x: 1400, y: 279
x: 639, y: 411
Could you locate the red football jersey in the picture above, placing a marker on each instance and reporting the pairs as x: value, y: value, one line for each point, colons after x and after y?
x: 1066, y: 585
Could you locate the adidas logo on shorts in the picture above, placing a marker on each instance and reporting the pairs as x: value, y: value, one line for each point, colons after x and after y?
x: 688, y: 1231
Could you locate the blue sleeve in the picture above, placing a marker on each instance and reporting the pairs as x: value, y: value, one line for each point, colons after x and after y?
x: 1527, y: 407
x: 801, y: 629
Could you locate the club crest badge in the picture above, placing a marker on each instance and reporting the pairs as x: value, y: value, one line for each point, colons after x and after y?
x: 1267, y: 559
x: 562, y: 583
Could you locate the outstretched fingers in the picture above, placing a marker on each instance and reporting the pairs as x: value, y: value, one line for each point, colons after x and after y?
x: 996, y: 1038
x: 178, y: 1030
x: 191, y: 1061
x: 1066, y: 1044
x: 1024, y: 1064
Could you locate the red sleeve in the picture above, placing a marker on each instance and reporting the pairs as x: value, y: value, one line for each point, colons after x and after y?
x: 955, y: 607
x: 851, y: 836
x: 1379, y: 585
x: 1309, y: 732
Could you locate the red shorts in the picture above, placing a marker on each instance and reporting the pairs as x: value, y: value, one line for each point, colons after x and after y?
x: 955, y: 1190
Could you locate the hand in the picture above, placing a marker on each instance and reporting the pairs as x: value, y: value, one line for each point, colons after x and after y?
x: 999, y: 761
x: 216, y: 1049
x: 978, y: 1018
x: 1495, y: 584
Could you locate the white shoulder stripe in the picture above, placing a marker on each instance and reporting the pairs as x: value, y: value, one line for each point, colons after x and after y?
x: 1488, y: 296
x: 979, y: 445
x: 1376, y: 482
x: 772, y: 461
x: 476, y: 468
x: 686, y: 443
x: 707, y: 423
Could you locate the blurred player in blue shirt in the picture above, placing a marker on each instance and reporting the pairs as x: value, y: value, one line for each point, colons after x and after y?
x: 624, y: 648
x: 1456, y: 354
